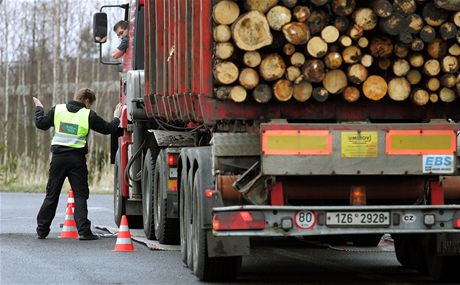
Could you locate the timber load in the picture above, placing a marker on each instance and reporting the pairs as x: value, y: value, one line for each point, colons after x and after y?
x: 281, y: 50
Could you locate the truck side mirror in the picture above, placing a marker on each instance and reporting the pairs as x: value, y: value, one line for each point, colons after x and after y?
x: 100, y: 27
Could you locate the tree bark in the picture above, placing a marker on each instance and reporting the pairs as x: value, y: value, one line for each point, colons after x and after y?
x: 283, y: 90
x: 313, y: 70
x: 330, y: 34
x: 262, y: 93
x: 343, y: 7
x: 302, y: 91
x: 320, y: 94
x: 357, y: 73
x: 351, y: 94
x: 414, y: 77
x: 224, y: 50
x: 278, y: 16
x: 333, y: 60
x: 447, y: 95
x: 226, y: 72
x: 293, y: 73
x: 298, y: 59
x: 351, y: 54
x: 251, y: 31
x: 382, y: 8
x: 272, y: 67
x: 296, y: 33
x: 420, y: 97
x: 222, y: 33
x: 335, y: 81
x: 301, y: 13
x: 259, y: 5
x: 225, y: 12
x: 249, y: 78
x: 365, y: 18
x: 375, y: 87
x: 399, y: 89
x: 317, y: 47
x: 238, y: 94
x: 252, y: 58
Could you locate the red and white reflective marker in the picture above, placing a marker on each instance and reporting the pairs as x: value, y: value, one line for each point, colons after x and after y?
x: 305, y: 220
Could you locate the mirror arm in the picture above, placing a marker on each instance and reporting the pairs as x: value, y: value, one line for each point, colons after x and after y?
x: 106, y: 62
x: 123, y: 6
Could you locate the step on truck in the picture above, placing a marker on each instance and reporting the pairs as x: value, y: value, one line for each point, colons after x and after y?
x: 335, y: 120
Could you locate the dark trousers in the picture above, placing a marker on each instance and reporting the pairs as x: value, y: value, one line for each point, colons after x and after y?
x: 73, y: 166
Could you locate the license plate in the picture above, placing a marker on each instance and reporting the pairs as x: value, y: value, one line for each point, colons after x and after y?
x: 365, y: 219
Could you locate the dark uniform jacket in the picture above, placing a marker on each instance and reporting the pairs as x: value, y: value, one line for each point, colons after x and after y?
x: 96, y: 123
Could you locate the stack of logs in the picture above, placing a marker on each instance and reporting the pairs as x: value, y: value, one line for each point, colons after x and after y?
x: 320, y: 48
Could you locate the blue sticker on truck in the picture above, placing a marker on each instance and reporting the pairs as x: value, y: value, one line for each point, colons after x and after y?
x: 438, y: 164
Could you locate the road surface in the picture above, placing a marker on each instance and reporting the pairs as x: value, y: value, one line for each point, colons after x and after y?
x: 26, y: 260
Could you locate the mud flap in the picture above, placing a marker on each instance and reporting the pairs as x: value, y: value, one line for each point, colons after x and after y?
x: 227, y: 246
x: 448, y: 244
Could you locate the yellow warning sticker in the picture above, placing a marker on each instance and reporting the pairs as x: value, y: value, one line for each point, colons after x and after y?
x: 360, y: 144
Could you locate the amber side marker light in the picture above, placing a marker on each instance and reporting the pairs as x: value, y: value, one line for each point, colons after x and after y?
x: 240, y: 220
x: 358, y: 195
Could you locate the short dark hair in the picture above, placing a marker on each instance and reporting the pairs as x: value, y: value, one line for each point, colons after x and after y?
x: 121, y: 24
x: 85, y: 94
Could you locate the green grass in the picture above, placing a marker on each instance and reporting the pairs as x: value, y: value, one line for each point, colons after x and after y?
x: 41, y: 188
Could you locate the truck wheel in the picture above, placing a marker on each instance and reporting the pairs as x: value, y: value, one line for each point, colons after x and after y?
x: 417, y: 253
x: 366, y: 240
x: 147, y: 195
x: 440, y: 268
x: 182, y: 220
x: 166, y: 229
x: 118, y: 203
x: 204, y: 267
x: 402, y: 251
x: 188, y: 218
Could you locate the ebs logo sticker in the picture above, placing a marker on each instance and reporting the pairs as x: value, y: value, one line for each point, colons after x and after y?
x: 438, y: 164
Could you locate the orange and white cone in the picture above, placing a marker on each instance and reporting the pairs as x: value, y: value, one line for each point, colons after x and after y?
x: 71, y: 200
x: 124, y: 242
x: 69, y: 230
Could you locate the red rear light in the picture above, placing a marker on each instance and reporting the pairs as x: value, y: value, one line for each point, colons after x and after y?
x: 208, y: 193
x: 172, y: 159
x: 457, y: 223
x: 244, y: 220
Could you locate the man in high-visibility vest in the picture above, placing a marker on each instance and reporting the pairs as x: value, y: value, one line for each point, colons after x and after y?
x: 71, y: 122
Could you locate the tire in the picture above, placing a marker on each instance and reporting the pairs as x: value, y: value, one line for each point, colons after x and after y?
x: 417, y: 253
x: 166, y: 229
x: 182, y: 224
x: 147, y: 196
x: 402, y: 251
x: 118, y: 201
x: 188, y: 218
x: 366, y: 240
x: 204, y: 267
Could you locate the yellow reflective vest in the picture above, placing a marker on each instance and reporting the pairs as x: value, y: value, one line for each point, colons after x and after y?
x: 70, y: 129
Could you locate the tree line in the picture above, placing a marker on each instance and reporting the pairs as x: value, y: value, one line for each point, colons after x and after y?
x: 47, y: 51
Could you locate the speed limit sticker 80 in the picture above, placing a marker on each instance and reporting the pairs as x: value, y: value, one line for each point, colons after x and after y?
x: 305, y: 219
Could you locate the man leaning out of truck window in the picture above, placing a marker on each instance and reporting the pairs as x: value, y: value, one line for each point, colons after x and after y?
x: 121, y: 29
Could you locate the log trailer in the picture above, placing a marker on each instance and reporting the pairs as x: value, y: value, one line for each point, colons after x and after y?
x: 324, y: 150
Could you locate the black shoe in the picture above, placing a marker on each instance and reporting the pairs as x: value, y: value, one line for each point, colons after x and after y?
x: 88, y: 237
x: 41, y: 236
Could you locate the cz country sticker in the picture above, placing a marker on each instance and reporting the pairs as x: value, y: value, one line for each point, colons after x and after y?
x: 305, y: 220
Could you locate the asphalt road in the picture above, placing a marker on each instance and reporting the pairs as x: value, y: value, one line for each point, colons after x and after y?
x: 26, y: 260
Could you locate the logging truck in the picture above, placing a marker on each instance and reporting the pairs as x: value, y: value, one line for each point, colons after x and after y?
x: 329, y: 119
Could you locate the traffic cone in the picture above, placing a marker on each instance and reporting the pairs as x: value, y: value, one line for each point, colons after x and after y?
x: 71, y: 200
x: 69, y: 230
x: 124, y: 242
